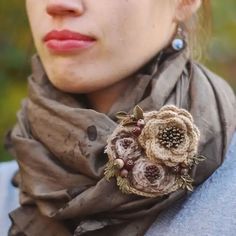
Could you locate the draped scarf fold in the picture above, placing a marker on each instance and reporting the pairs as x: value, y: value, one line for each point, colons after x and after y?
x: 59, y: 143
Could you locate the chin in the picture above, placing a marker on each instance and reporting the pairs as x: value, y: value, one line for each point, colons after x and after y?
x: 76, y: 85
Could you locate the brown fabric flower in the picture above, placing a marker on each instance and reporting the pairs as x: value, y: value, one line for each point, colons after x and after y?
x: 170, y: 136
x: 153, y: 178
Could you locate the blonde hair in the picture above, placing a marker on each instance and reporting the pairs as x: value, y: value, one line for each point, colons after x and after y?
x: 199, y: 30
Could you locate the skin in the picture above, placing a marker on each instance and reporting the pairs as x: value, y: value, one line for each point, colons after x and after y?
x: 128, y: 34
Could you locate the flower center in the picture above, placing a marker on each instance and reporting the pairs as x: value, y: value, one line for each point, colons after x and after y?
x: 171, y: 136
x: 126, y: 143
x: 152, y: 173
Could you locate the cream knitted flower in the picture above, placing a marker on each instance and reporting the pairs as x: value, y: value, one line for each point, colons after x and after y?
x: 170, y: 136
x: 150, y: 154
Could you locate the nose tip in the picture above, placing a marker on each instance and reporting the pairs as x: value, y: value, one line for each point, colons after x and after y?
x: 64, y: 7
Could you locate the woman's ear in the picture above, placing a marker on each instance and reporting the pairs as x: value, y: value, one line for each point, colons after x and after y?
x: 186, y: 8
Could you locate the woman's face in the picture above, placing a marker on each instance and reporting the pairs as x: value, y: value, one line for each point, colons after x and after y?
x: 122, y: 35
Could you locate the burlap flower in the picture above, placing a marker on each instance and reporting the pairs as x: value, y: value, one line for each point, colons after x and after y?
x: 170, y: 136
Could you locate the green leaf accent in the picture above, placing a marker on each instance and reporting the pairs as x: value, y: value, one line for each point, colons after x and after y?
x: 138, y: 113
x: 189, y: 187
x: 201, y: 158
x: 123, y: 185
x: 180, y: 183
x: 187, y: 179
x: 185, y: 182
x: 198, y: 158
x: 128, y: 122
x: 121, y: 115
x: 110, y: 170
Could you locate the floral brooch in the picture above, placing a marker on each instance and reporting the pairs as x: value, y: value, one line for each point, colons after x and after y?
x: 151, y: 154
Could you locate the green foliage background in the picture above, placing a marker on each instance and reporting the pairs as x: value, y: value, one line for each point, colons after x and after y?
x: 16, y: 48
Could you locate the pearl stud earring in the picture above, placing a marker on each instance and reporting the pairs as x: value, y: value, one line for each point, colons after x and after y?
x: 179, y: 42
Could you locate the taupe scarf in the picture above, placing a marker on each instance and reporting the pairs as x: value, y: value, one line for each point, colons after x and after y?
x: 59, y: 145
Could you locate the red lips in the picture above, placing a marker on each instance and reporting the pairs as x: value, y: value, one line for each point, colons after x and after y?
x: 66, y: 35
x: 67, y: 41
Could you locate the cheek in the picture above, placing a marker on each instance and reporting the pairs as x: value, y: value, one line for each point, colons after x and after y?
x: 31, y: 8
x: 35, y: 12
x: 136, y: 28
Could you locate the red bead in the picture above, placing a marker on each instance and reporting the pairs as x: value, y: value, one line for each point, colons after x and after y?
x: 136, y: 131
x: 176, y: 169
x: 129, y: 165
x: 124, y: 173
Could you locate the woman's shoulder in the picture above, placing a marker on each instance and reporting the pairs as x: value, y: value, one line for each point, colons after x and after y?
x: 209, y: 210
x: 8, y: 194
x: 232, y: 148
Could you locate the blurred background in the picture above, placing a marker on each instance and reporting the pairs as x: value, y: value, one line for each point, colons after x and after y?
x: 16, y: 48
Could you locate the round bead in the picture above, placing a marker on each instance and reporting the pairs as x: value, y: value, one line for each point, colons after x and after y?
x: 140, y: 123
x: 124, y: 173
x: 176, y: 169
x: 119, y: 163
x: 129, y: 165
x: 178, y: 44
x: 184, y: 171
x: 137, y: 131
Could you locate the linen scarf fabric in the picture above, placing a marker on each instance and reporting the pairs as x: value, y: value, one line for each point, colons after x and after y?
x: 59, y: 145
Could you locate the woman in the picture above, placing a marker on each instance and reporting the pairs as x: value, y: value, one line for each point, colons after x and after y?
x: 96, y: 58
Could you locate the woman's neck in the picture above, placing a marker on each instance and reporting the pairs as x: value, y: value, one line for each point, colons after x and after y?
x: 102, y: 100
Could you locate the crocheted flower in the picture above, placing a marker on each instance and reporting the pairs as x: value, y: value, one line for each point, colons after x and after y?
x: 151, y: 154
x: 123, y: 145
x: 170, y: 136
x: 153, y: 178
